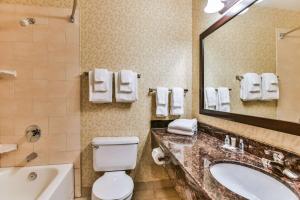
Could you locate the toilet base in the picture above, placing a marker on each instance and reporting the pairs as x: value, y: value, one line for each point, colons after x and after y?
x: 127, y: 198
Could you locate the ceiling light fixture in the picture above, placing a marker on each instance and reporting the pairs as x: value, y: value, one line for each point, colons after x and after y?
x: 213, y: 6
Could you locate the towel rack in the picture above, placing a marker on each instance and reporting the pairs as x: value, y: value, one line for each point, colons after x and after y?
x: 228, y: 89
x: 152, y: 90
x: 87, y: 73
x: 239, y: 77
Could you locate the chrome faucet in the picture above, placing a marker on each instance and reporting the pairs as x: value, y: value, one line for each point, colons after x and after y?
x: 282, y: 166
x: 31, y: 156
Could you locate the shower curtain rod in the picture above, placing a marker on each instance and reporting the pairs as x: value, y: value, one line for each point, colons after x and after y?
x: 282, y: 35
x: 72, y: 18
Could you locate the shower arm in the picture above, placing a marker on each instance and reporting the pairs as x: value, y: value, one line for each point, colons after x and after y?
x: 282, y: 35
x: 72, y: 18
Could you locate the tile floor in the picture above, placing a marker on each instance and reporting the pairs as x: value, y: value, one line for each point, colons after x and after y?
x: 168, y: 193
x: 156, y: 194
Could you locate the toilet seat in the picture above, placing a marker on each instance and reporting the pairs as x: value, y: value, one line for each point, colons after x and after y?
x: 113, y: 186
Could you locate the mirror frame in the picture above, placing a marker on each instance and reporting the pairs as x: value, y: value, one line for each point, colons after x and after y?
x: 273, y: 124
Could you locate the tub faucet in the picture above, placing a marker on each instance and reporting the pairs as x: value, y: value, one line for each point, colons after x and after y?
x: 31, y: 156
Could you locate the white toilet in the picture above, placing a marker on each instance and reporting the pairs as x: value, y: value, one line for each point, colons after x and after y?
x: 114, y: 155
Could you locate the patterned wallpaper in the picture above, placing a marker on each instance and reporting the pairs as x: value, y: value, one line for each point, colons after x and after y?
x: 201, y: 21
x: 153, y: 38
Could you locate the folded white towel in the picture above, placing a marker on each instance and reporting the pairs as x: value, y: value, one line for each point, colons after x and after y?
x: 126, y: 97
x: 100, y: 97
x: 189, y: 125
x: 180, y: 132
x: 250, y: 87
x: 223, y: 99
x: 270, y: 88
x: 177, y: 101
x: 162, y: 99
x: 210, y: 98
x: 100, y: 80
x: 126, y: 76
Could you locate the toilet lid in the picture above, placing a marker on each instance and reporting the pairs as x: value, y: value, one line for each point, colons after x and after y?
x: 113, y: 185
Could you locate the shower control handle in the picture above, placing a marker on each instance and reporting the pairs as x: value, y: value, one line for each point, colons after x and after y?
x: 33, y: 133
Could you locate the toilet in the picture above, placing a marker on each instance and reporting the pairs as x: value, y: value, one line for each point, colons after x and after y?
x: 114, y: 155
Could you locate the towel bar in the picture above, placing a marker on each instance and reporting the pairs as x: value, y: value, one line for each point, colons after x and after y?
x: 138, y: 75
x: 228, y: 89
x: 152, y: 90
x: 239, y: 77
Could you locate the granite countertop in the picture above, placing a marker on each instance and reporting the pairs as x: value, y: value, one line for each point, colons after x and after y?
x: 195, y: 154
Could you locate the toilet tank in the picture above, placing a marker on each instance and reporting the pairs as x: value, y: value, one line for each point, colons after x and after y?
x: 114, y: 153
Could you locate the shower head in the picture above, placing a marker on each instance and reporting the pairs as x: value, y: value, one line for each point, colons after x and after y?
x: 27, y: 21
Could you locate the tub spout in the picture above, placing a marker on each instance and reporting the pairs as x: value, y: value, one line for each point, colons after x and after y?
x: 31, y: 156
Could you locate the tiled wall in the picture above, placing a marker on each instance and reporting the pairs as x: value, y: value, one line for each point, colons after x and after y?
x: 201, y: 21
x: 46, y: 91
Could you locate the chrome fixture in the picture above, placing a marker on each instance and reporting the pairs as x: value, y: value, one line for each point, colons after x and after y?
x: 32, y: 176
x: 27, y: 21
x: 282, y: 35
x: 31, y: 156
x: 33, y: 133
x: 72, y: 17
x: 152, y: 90
x: 282, y: 166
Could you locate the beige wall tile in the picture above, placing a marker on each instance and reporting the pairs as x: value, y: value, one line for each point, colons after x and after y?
x: 70, y: 124
x: 50, y: 106
x: 31, y: 88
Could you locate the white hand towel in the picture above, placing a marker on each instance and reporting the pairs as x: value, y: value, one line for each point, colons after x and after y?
x: 100, y: 97
x: 162, y: 99
x: 189, y: 125
x: 126, y: 76
x: 180, y: 132
x: 100, y: 80
x: 270, y: 88
x: 250, y: 87
x: 177, y: 101
x: 210, y: 97
x: 126, y: 97
x: 223, y: 99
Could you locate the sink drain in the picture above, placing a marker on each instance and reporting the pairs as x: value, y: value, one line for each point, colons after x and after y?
x: 32, y: 176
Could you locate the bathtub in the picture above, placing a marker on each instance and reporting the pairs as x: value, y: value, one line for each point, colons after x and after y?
x: 51, y: 182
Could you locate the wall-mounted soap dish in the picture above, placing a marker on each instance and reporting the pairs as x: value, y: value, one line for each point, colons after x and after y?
x: 5, y: 148
x: 4, y: 73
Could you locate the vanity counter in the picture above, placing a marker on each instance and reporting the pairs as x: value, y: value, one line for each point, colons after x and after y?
x: 193, y: 156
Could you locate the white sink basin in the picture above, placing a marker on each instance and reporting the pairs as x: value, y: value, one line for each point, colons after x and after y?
x: 250, y: 183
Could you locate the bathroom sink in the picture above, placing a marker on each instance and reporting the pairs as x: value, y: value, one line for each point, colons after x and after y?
x: 250, y: 183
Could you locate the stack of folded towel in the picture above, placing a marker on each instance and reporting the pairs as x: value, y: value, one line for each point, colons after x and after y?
x: 162, y: 101
x: 250, y: 87
x: 183, y: 127
x: 100, y: 86
x: 126, y: 86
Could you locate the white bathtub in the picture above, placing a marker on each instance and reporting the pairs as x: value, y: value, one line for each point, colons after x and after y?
x: 53, y: 182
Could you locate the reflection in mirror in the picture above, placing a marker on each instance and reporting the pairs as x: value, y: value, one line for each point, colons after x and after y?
x: 252, y: 63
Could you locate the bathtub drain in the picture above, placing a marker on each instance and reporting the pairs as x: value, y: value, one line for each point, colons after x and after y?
x: 32, y: 176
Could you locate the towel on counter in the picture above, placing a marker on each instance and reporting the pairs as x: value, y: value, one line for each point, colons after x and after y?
x: 126, y: 97
x: 162, y: 101
x: 177, y: 101
x: 223, y: 99
x: 126, y: 80
x: 270, y: 87
x: 180, y: 132
x: 188, y: 125
x: 210, y: 98
x: 101, y: 78
x: 250, y: 87
x: 100, y: 96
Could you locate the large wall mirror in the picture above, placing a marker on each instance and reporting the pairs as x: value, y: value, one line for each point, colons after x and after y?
x: 252, y: 54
